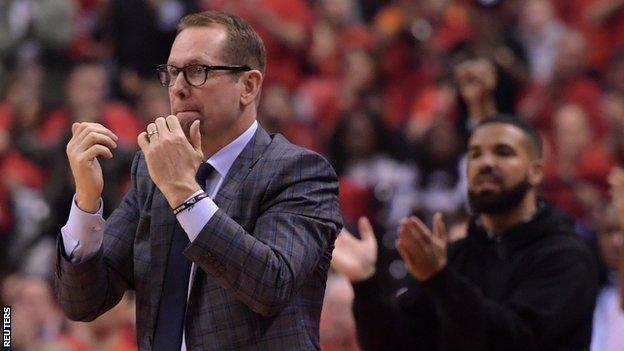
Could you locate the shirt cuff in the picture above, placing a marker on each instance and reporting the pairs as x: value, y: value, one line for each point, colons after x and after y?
x: 193, y: 219
x: 83, y: 233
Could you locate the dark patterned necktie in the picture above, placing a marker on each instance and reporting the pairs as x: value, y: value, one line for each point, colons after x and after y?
x: 172, y: 309
x: 203, y: 172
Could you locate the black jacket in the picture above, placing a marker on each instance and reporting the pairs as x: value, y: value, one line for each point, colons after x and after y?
x: 530, y: 288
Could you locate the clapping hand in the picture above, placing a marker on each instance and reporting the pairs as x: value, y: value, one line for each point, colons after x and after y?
x: 353, y: 257
x: 423, y: 252
x: 476, y: 81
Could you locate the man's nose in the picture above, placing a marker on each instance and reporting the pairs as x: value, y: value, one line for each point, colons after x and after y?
x: 180, y: 87
x: 487, y: 160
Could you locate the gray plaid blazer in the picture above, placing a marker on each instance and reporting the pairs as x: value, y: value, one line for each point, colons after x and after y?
x: 262, y: 258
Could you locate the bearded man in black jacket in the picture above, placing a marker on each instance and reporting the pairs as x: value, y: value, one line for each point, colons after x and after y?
x: 520, y: 279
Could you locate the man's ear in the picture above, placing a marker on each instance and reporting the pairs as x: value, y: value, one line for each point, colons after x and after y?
x: 251, y: 83
x: 536, y: 172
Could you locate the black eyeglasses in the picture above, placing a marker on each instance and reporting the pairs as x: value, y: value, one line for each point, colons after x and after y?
x: 194, y: 75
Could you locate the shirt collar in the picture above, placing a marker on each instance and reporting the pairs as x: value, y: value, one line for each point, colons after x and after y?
x: 224, y: 158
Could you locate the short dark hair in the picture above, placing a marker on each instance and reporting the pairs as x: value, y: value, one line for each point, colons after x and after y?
x: 535, y: 141
x: 243, y: 46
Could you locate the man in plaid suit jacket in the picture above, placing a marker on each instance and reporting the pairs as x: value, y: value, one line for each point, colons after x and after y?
x: 260, y: 243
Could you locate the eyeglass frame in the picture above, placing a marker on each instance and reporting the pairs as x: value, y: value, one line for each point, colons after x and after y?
x: 207, y: 69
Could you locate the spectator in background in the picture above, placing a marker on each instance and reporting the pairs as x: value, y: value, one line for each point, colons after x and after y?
x: 337, y: 29
x: 521, y: 280
x: 29, y: 28
x: 323, y: 101
x: 478, y: 85
x: 22, y: 165
x: 359, y: 83
x: 87, y: 96
x: 153, y: 102
x: 608, y: 318
x: 540, y: 32
x: 37, y: 32
x: 433, y: 104
x: 482, y: 88
x: 89, y: 22
x: 613, y: 79
x: 283, y: 25
x: 88, y: 100
x: 412, y: 40
x: 612, y: 109
x: 493, y: 36
x: 276, y: 114
x: 602, y: 24
x: 112, y: 331
x: 39, y: 325
x: 343, y: 71
x: 141, y: 33
x: 571, y: 83
x: 578, y: 164
x: 361, y: 152
x: 37, y: 318
x: 439, y: 184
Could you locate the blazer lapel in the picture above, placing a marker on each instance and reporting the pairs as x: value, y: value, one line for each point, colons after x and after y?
x: 241, y: 168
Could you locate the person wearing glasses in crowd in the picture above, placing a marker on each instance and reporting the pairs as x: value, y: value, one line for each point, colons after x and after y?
x: 226, y: 233
x: 520, y: 280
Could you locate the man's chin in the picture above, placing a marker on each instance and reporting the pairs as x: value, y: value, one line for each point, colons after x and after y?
x: 486, y: 193
x: 186, y: 126
x: 488, y: 201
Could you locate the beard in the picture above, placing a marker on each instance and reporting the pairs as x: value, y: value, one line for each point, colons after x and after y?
x: 494, y: 203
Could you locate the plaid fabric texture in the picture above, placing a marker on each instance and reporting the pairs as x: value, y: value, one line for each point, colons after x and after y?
x: 262, y: 258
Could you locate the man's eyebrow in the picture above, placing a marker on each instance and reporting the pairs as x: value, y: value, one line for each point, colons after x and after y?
x: 190, y: 62
x: 194, y: 62
x: 503, y: 144
x: 500, y: 145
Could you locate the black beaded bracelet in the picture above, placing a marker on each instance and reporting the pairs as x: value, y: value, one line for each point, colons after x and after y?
x: 189, y: 203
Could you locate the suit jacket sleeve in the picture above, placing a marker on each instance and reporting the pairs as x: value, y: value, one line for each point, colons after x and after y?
x: 92, y: 287
x: 298, y: 221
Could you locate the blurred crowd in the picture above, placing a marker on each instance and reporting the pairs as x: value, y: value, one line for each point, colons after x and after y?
x: 387, y: 90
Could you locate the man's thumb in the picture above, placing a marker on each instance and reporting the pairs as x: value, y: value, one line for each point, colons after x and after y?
x: 439, y: 229
x: 195, y: 135
x: 366, y: 229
